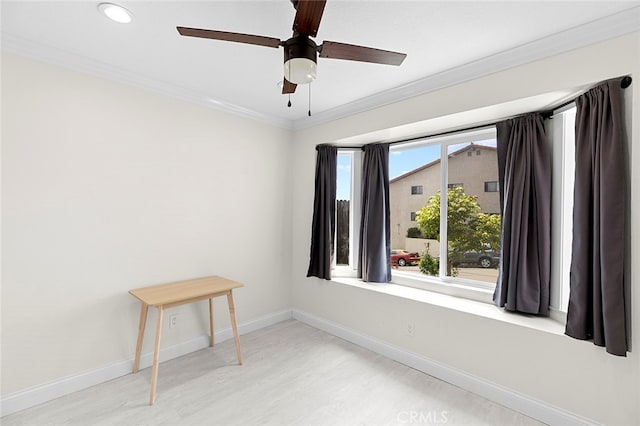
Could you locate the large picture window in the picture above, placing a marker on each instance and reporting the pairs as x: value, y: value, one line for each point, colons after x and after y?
x: 458, y: 221
x: 457, y: 242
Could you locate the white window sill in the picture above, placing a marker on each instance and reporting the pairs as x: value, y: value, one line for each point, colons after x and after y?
x: 473, y: 307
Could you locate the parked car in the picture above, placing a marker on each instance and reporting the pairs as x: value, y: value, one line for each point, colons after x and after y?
x: 403, y: 257
x: 485, y: 259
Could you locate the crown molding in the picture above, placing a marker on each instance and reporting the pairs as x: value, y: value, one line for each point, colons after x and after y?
x: 612, y: 26
x: 616, y: 25
x: 84, y: 65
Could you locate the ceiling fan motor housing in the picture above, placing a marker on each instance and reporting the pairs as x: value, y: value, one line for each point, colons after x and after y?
x: 300, y: 59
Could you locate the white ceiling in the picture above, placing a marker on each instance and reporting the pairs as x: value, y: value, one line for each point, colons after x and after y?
x: 440, y: 38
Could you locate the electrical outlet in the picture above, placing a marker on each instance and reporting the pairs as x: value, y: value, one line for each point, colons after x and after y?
x: 411, y: 328
x: 173, y: 320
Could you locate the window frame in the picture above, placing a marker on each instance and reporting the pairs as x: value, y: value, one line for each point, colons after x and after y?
x: 351, y: 269
x: 455, y: 286
x: 418, y: 190
x: 493, y: 182
x: 562, y: 130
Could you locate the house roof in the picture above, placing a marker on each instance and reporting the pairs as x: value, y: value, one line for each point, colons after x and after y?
x: 434, y: 162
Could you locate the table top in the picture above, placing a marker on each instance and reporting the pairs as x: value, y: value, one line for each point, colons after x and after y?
x: 164, y: 294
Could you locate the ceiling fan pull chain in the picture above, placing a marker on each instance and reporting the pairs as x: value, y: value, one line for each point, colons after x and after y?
x: 309, y: 100
x: 289, y: 79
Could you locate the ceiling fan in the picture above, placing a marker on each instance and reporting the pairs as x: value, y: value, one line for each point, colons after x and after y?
x: 300, y: 51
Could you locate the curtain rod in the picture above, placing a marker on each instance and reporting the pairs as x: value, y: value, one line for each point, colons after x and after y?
x: 624, y: 83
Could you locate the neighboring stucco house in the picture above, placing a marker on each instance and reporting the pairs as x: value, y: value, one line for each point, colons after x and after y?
x: 475, y: 167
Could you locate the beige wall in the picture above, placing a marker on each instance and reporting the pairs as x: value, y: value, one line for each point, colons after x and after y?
x: 473, y: 171
x: 107, y: 188
x: 573, y: 375
x: 402, y: 202
x: 470, y: 170
x: 90, y: 211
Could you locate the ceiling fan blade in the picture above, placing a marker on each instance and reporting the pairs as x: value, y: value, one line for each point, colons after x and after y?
x: 288, y: 87
x: 235, y: 37
x: 335, y: 50
x: 308, y: 16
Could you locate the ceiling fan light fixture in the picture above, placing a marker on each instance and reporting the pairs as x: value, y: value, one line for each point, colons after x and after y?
x: 300, y: 59
x: 300, y: 70
x: 115, y: 12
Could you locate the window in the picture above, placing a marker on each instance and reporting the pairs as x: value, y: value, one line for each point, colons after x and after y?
x: 347, y: 212
x: 562, y: 131
x: 472, y: 232
x: 491, y: 186
x: 343, y: 200
x: 443, y: 167
x: 460, y: 234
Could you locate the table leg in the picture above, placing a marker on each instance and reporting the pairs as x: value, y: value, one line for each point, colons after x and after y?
x: 156, y: 356
x: 232, y: 314
x: 143, y: 322
x: 211, y: 321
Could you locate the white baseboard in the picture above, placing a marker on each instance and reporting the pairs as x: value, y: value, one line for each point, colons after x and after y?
x: 66, y: 385
x: 531, y: 407
x: 514, y: 400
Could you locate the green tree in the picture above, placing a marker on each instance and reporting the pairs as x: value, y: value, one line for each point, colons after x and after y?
x: 467, y: 228
x: 489, y: 230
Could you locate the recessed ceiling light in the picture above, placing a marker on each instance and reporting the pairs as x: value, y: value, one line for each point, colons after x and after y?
x: 115, y: 12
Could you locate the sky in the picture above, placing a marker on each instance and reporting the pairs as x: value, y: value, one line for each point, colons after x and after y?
x: 400, y: 162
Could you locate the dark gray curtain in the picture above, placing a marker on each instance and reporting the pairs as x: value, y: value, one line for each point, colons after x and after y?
x: 524, y: 173
x: 375, y: 236
x: 324, y: 213
x: 596, y: 301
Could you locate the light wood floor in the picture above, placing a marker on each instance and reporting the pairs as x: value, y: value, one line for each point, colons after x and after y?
x: 293, y: 374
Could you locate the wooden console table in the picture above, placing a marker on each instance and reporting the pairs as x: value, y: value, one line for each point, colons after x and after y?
x: 165, y: 296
